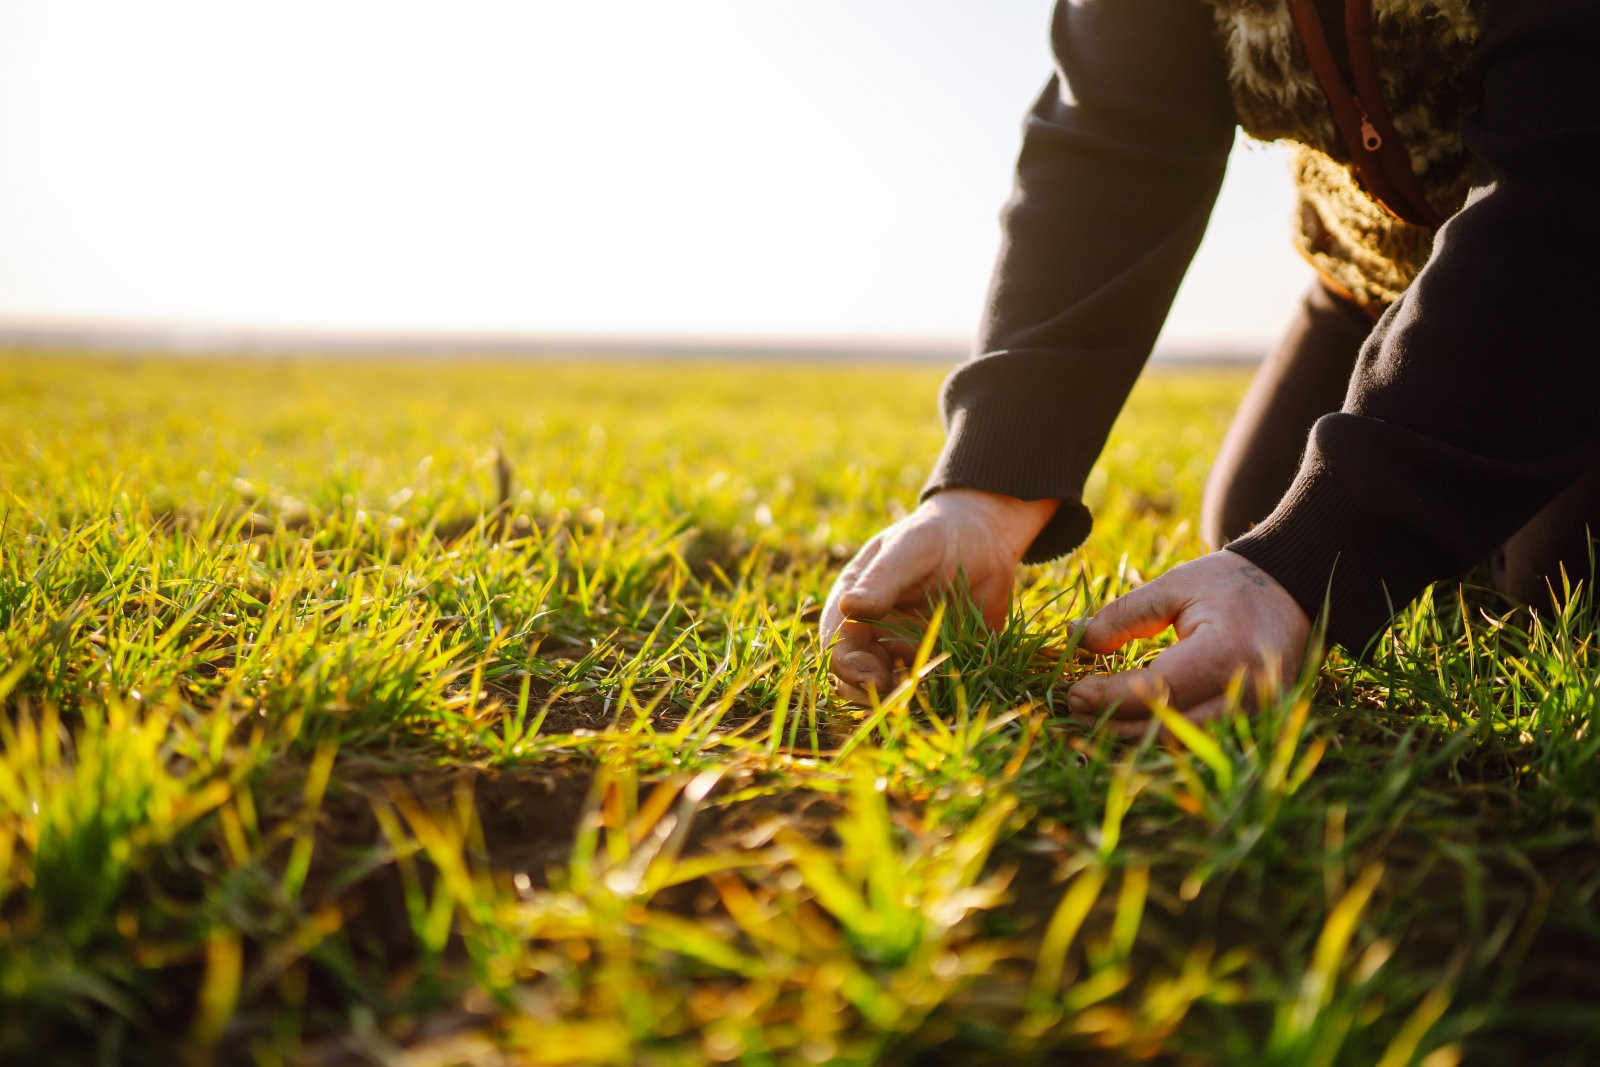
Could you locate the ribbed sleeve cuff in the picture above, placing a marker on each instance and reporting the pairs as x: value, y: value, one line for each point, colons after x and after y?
x: 1323, y: 546
x: 1013, y: 428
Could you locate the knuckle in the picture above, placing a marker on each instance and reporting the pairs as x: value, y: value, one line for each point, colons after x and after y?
x: 860, y: 561
x: 914, y: 537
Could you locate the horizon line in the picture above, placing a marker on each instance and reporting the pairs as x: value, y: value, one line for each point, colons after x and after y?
x: 113, y: 336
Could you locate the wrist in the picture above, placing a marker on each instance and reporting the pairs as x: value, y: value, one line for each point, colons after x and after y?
x: 1016, y: 520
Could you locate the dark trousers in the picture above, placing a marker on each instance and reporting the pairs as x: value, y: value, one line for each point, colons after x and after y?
x: 1304, y: 379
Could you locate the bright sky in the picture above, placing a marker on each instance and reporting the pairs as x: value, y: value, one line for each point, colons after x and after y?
x: 547, y: 165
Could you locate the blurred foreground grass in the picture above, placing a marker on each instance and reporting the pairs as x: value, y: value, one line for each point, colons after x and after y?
x: 471, y: 713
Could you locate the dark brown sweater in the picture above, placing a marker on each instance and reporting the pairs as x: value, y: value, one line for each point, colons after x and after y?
x: 1475, y: 398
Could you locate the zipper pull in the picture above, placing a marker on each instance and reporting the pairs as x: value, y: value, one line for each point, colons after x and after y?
x: 1370, y: 139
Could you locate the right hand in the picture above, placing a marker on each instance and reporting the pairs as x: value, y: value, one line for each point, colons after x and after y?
x: 966, y: 532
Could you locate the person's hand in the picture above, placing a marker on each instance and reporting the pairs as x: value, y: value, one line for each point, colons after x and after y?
x: 1230, y: 616
x: 966, y: 532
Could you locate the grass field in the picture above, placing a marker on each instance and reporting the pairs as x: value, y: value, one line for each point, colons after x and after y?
x: 427, y: 713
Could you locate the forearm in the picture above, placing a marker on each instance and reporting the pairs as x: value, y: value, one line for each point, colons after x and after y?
x: 1473, y: 402
x: 1121, y: 159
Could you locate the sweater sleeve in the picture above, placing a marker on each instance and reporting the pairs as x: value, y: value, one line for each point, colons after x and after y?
x: 1474, y: 401
x: 1121, y: 159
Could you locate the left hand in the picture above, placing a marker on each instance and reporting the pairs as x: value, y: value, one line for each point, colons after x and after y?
x: 1230, y: 616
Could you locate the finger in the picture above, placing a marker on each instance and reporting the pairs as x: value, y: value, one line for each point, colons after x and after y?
x: 860, y: 674
x: 859, y: 659
x: 1136, y: 727
x: 855, y: 694
x: 897, y: 633
x: 1144, y: 612
x: 1185, y: 676
x: 1211, y: 709
x: 900, y: 634
x: 1129, y: 728
x: 852, y: 693
x: 1075, y: 628
x: 901, y: 567
x: 859, y: 562
x: 899, y: 649
x: 994, y: 601
x: 833, y: 615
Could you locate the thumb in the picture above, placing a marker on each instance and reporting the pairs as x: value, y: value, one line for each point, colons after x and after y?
x: 899, y: 568
x: 1144, y: 612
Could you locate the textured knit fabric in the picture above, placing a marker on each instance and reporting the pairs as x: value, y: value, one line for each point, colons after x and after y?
x: 1473, y: 403
x: 1353, y: 242
x: 1306, y: 377
x: 1423, y: 53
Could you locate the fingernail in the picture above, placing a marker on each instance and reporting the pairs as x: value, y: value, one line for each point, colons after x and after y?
x: 1081, y: 698
x: 866, y: 667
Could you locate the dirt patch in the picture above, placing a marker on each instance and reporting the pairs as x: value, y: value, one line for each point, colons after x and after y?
x: 355, y: 891
x: 528, y: 817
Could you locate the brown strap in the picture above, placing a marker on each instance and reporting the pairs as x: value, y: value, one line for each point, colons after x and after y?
x: 1350, y: 115
x: 1372, y: 309
x: 1394, y: 159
